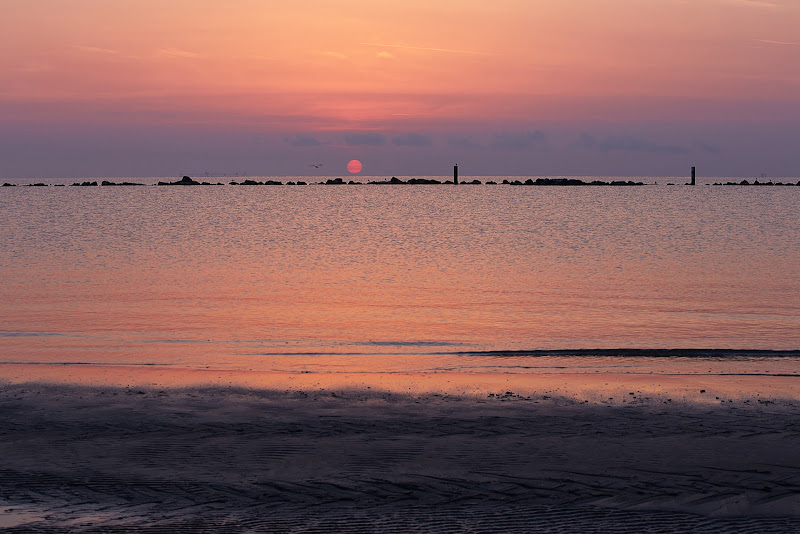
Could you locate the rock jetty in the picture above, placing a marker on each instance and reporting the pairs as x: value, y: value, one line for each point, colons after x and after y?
x: 106, y: 182
x: 757, y: 183
x: 569, y: 181
x: 412, y: 181
x: 254, y: 182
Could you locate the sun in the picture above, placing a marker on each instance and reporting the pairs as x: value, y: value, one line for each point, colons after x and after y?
x: 354, y: 166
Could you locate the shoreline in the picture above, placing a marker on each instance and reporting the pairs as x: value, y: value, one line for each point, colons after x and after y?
x: 597, y: 388
x: 646, y: 353
x: 599, y: 376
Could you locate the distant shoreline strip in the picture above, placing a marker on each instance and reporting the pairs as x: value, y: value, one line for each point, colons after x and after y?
x: 644, y: 353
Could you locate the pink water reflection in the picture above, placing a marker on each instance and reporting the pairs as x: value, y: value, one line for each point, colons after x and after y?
x: 210, y: 276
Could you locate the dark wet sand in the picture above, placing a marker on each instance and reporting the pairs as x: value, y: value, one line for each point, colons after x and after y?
x: 90, y: 459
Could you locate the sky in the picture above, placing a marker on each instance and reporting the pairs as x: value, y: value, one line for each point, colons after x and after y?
x: 92, y: 88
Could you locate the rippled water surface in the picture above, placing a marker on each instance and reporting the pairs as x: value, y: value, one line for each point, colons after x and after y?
x: 233, y: 274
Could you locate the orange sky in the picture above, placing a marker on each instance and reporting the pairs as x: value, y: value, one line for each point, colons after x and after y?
x: 324, y: 65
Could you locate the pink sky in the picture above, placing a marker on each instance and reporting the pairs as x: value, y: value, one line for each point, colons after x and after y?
x: 650, y: 87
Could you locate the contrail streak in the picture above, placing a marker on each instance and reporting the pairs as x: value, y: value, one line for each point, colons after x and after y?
x: 785, y: 43
x: 427, y: 48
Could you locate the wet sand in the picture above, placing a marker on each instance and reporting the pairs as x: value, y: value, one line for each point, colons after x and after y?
x: 80, y: 458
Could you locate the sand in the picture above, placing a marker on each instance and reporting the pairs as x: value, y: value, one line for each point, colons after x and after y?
x: 79, y: 458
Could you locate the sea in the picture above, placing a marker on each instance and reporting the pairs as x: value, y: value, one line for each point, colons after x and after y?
x: 270, y: 277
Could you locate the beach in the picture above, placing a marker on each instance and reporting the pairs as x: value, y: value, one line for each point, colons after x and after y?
x: 99, y: 458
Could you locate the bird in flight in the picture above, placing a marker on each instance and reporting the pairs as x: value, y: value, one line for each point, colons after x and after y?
x: 317, y: 166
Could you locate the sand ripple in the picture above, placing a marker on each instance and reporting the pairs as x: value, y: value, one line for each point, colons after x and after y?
x: 79, y: 459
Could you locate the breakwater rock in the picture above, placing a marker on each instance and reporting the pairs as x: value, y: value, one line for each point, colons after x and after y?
x: 106, y: 182
x: 254, y: 182
x: 412, y: 181
x: 757, y: 183
x: 569, y: 181
x: 186, y: 180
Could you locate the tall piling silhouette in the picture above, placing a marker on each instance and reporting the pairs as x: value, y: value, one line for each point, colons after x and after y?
x: 693, y: 176
x: 455, y: 174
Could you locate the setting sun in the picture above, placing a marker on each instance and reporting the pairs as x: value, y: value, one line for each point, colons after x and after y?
x: 354, y: 166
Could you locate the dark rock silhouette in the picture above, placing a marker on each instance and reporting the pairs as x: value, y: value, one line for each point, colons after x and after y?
x: 183, y: 181
x: 9, y: 185
x: 106, y: 182
x: 757, y: 183
x: 412, y: 181
x: 186, y: 180
x: 254, y: 182
x: 572, y: 181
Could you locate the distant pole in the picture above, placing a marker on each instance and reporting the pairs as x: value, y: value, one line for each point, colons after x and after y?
x: 455, y: 174
x: 693, y: 175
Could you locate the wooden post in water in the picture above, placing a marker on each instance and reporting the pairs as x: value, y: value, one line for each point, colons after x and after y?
x: 692, y: 175
x: 455, y: 174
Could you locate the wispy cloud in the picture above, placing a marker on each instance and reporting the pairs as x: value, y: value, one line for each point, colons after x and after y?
x: 412, y: 139
x: 462, y: 142
x: 36, y: 68
x: 783, y: 43
x: 754, y: 3
x: 629, y: 143
x: 705, y: 147
x: 97, y: 50
x: 519, y: 140
x: 176, y: 52
x: 426, y: 48
x: 302, y: 140
x: 369, y: 139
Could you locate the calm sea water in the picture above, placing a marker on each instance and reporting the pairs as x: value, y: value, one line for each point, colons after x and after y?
x: 228, y: 275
